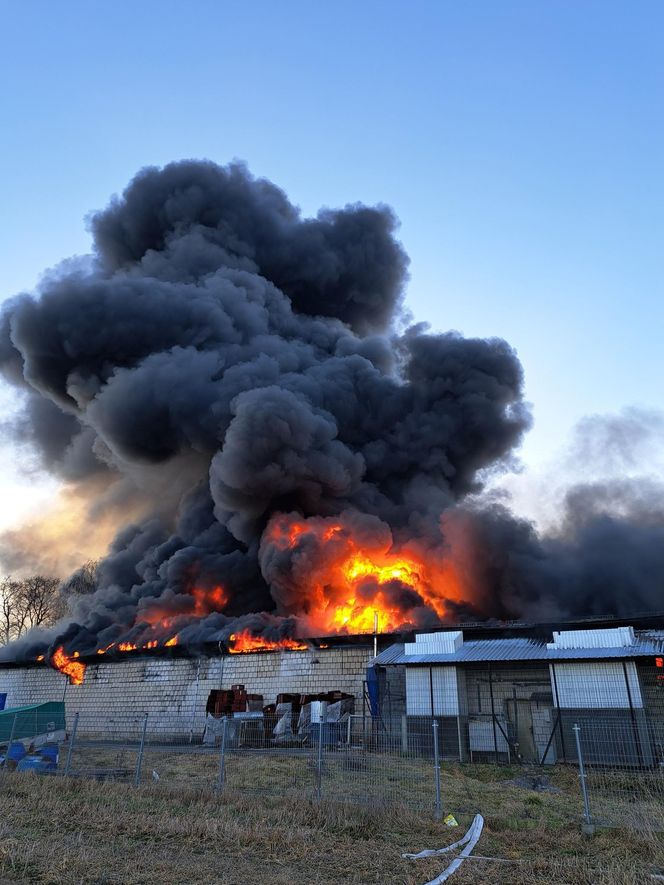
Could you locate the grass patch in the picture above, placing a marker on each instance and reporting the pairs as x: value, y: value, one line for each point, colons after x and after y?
x: 177, y: 830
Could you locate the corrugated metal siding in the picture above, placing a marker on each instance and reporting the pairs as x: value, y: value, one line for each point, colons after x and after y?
x: 598, y: 685
x: 442, y: 690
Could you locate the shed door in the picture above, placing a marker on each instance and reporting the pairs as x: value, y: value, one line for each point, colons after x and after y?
x: 521, y: 719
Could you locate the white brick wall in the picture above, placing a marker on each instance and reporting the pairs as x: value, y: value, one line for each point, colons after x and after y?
x: 115, y: 695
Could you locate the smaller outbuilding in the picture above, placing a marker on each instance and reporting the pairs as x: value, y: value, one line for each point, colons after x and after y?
x: 518, y: 698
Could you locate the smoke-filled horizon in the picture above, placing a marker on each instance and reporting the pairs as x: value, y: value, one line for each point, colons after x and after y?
x: 237, y: 386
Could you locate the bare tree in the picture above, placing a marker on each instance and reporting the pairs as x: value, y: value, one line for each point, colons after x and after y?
x: 83, y: 581
x: 8, y: 609
x: 32, y: 602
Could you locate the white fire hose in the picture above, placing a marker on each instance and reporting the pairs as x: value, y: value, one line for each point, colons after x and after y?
x: 470, y: 840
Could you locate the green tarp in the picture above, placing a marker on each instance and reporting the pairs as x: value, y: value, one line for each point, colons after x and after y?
x: 27, y: 722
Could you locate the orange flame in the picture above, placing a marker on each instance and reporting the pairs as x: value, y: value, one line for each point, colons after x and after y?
x: 344, y: 584
x: 197, y: 604
x: 345, y: 575
x: 244, y: 643
x: 66, y: 664
x: 157, y: 621
x: 131, y: 646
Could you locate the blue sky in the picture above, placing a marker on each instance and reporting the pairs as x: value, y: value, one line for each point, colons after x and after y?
x: 520, y: 143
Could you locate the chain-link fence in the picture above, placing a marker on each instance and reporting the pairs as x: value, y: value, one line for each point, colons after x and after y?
x: 330, y: 758
x: 326, y: 758
x: 622, y: 780
x: 335, y: 756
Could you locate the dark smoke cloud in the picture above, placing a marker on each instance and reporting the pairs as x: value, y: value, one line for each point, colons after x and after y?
x: 65, y: 446
x: 219, y: 329
x: 186, y: 221
x: 605, y: 557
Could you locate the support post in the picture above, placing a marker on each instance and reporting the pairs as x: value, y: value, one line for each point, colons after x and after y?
x: 319, y: 760
x: 11, y: 738
x: 431, y: 690
x: 493, y: 715
x: 587, y: 822
x: 139, y: 758
x: 70, y: 748
x: 560, y: 718
x: 635, y: 729
x: 550, y: 741
x: 221, y: 780
x: 438, y: 813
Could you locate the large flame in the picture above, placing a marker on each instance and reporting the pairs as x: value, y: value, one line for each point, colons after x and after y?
x: 244, y: 642
x: 67, y: 664
x: 342, y: 575
x: 345, y: 583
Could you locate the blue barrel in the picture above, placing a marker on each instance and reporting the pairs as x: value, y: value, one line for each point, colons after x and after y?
x: 16, y: 751
x: 33, y: 763
x: 49, y: 753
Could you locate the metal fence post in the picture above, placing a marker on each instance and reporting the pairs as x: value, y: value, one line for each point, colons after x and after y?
x: 493, y: 715
x: 139, y: 758
x: 70, y: 748
x: 587, y: 827
x: 436, y: 770
x: 319, y: 762
x: 11, y: 738
x: 221, y: 780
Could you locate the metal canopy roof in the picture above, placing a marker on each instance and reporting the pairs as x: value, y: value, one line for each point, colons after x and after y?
x: 475, y: 651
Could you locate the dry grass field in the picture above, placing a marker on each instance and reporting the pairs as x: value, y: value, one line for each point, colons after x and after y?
x: 79, y: 830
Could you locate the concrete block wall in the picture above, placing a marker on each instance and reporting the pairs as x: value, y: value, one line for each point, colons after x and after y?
x: 173, y: 692
x: 31, y: 685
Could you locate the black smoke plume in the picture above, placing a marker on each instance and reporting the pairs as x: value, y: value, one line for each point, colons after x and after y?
x: 251, y: 359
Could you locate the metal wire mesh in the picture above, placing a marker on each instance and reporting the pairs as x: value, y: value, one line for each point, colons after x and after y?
x: 194, y: 731
x: 624, y: 780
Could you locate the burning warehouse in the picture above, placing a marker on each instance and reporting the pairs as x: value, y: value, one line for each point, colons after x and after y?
x: 230, y: 395
x: 503, y: 694
x: 181, y: 694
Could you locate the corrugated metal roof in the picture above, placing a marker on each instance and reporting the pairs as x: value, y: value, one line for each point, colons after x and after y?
x: 475, y: 651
